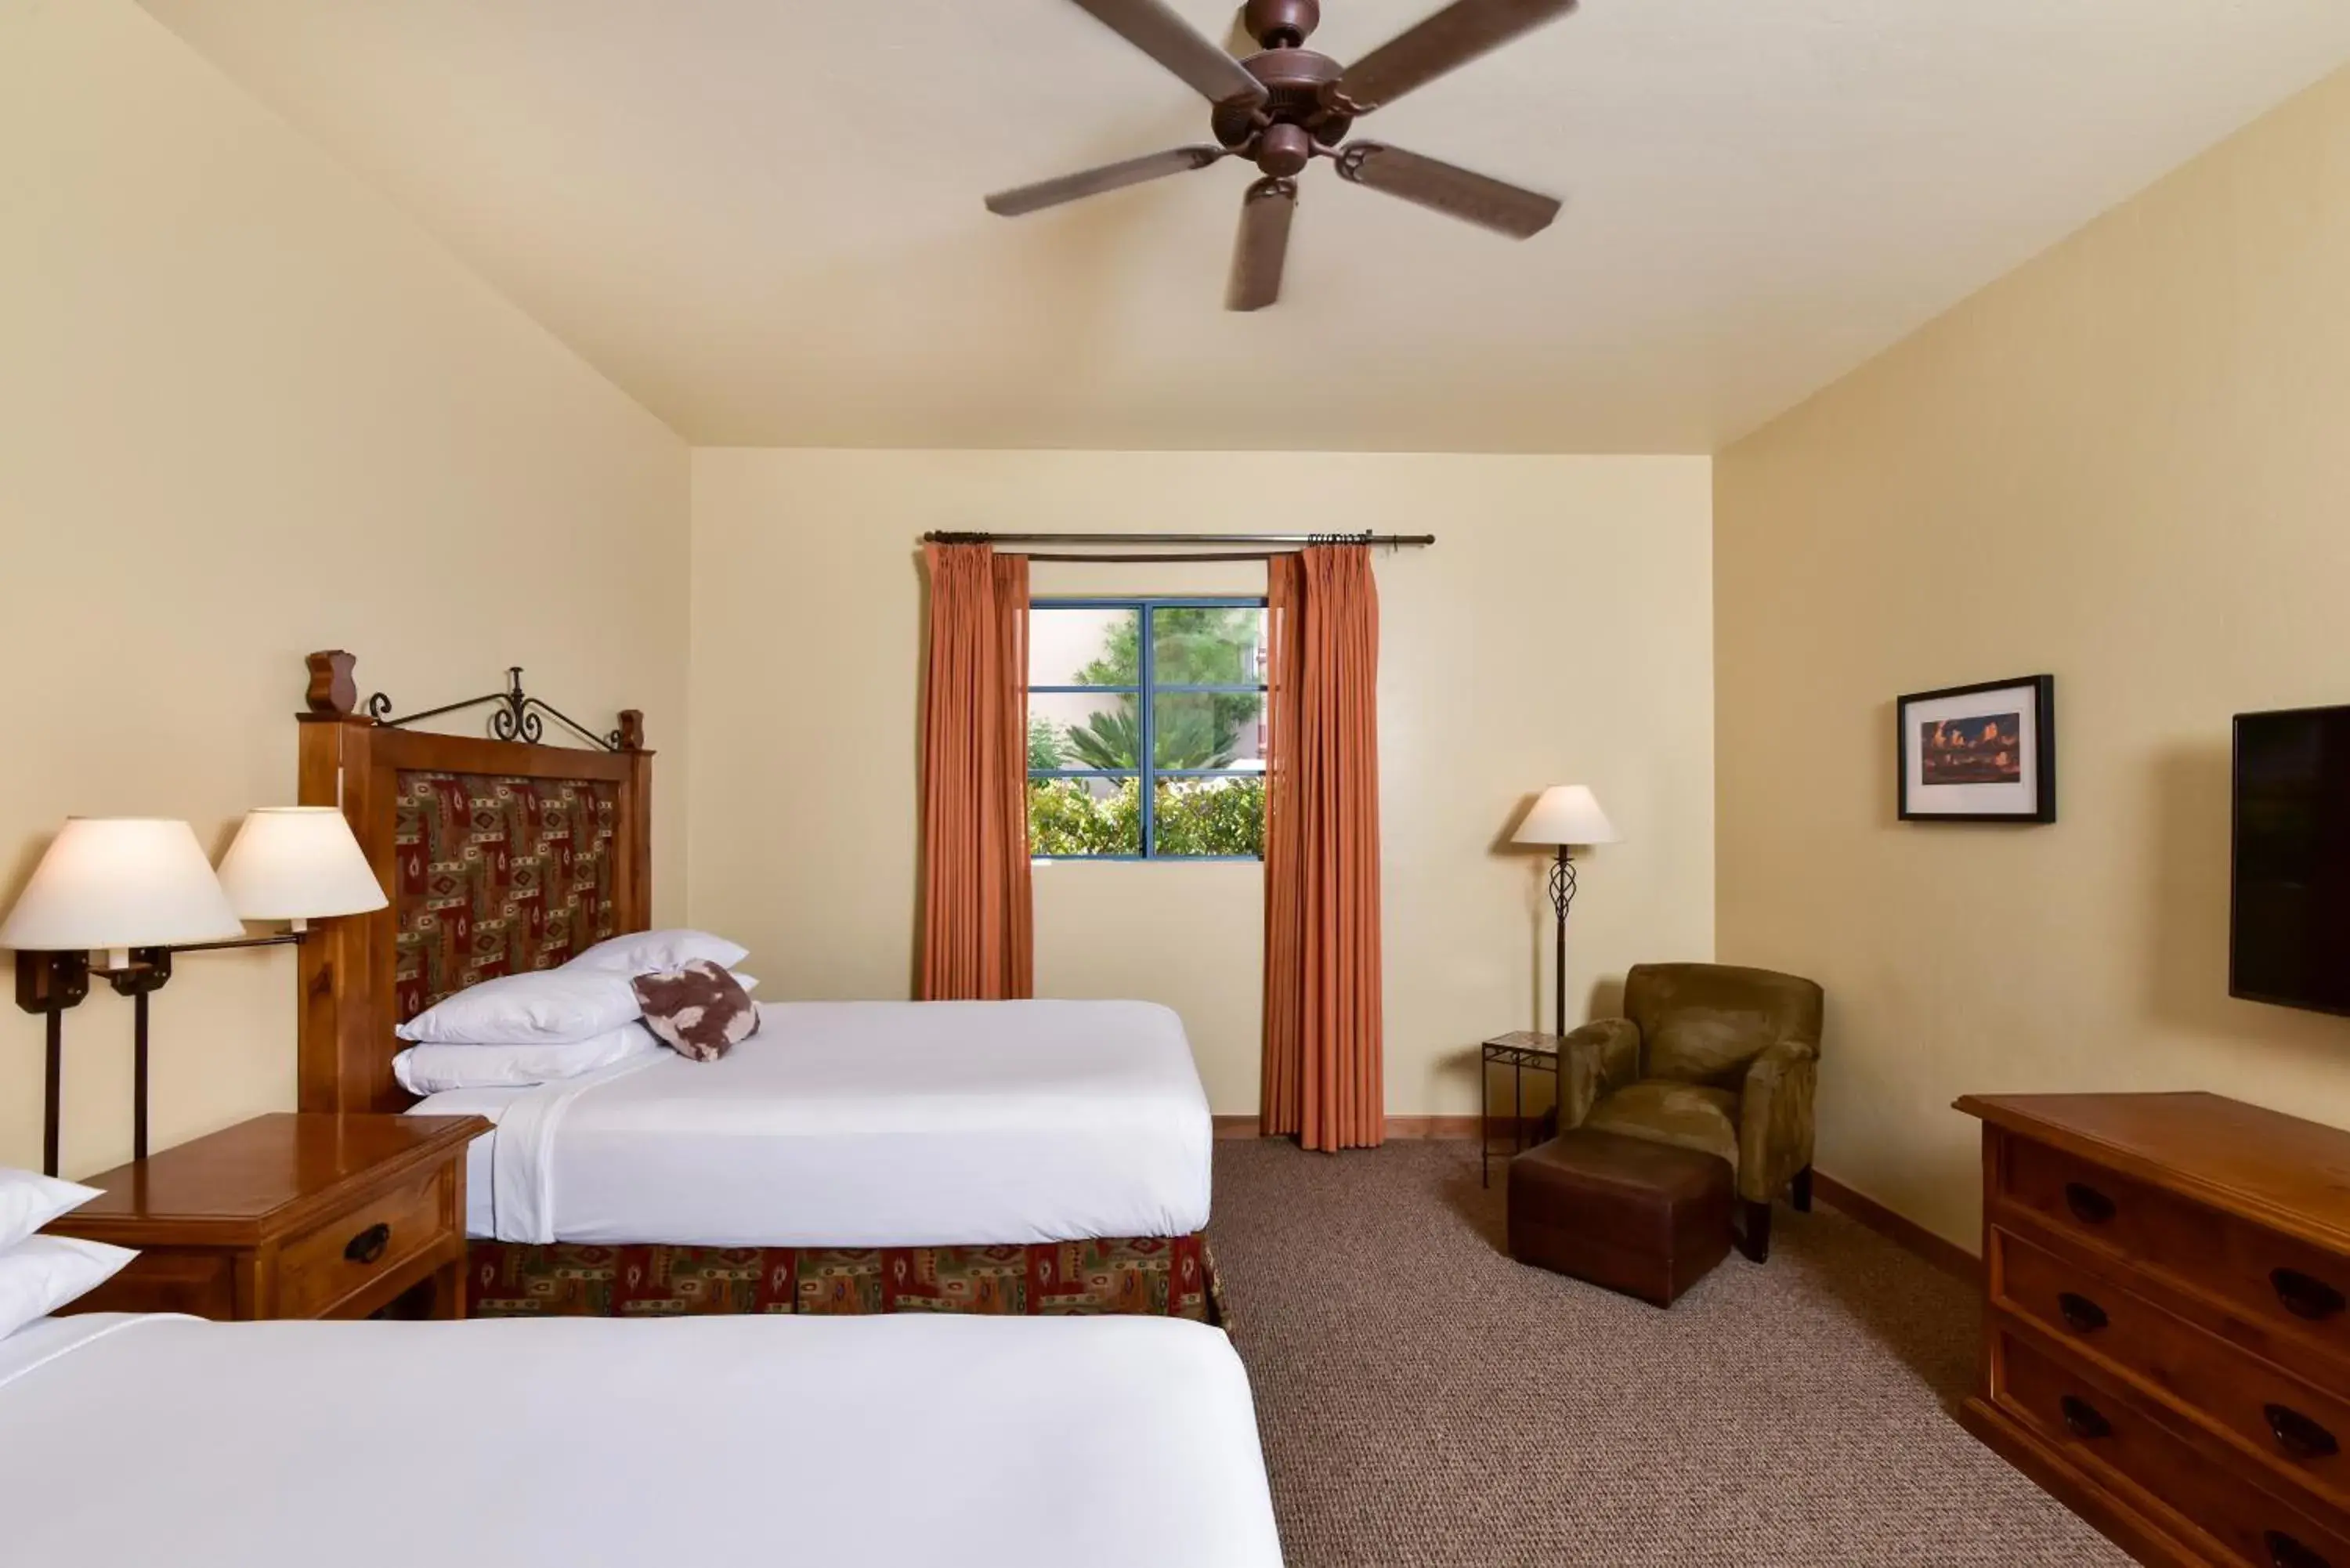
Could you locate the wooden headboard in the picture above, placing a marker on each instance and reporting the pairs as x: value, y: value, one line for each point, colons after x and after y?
x: 498, y: 855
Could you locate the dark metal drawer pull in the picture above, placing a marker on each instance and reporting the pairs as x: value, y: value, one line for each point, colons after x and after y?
x: 2284, y: 1551
x: 2083, y: 1419
x: 2304, y: 1296
x: 2299, y: 1436
x: 368, y: 1244
x: 2088, y: 1205
x: 2081, y: 1315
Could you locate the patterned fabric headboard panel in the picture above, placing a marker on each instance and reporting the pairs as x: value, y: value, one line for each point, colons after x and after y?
x: 497, y: 876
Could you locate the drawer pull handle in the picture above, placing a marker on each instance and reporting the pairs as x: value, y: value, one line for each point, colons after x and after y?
x: 2299, y: 1436
x: 2081, y: 1315
x: 368, y: 1244
x: 2304, y: 1296
x: 2083, y: 1419
x: 2284, y: 1551
x: 2088, y: 1205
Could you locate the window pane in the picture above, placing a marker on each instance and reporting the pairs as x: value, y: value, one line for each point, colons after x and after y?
x: 1210, y: 730
x: 1084, y: 647
x: 1208, y: 817
x: 1195, y: 645
x: 1085, y: 816
x: 1077, y: 730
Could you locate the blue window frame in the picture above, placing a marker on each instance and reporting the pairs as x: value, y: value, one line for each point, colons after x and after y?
x: 1162, y: 765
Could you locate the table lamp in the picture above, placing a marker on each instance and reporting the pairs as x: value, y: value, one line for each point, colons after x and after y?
x: 114, y: 884
x: 1565, y: 815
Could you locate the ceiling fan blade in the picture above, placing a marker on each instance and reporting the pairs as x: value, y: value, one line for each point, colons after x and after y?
x: 1166, y: 37
x: 1457, y: 192
x: 1046, y: 193
x: 1446, y: 41
x: 1264, y: 245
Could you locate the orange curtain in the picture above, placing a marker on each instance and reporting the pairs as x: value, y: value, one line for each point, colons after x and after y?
x: 1323, y: 1027
x: 978, y: 923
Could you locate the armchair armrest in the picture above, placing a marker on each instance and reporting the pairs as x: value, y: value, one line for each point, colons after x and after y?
x: 1599, y: 1057
x: 1774, y: 1117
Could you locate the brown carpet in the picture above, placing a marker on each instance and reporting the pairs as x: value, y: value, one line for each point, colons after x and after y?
x: 1426, y: 1400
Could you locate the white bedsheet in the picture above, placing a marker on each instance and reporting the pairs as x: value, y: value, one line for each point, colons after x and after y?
x: 862, y: 1125
x: 579, y: 1442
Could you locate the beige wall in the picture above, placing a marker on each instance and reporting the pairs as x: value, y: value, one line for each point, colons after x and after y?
x: 246, y: 411
x: 1559, y: 631
x: 2125, y: 463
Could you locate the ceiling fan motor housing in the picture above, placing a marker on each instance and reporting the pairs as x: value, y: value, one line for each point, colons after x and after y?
x: 1293, y: 79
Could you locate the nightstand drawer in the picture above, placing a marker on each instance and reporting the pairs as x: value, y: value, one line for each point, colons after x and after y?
x: 324, y: 1266
x: 200, y: 1284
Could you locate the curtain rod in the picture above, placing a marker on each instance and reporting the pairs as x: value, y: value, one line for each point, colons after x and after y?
x: 1385, y: 541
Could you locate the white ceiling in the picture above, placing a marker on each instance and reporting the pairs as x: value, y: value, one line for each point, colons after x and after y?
x: 762, y: 218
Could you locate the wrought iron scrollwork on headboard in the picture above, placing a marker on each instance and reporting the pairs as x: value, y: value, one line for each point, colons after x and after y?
x: 515, y: 715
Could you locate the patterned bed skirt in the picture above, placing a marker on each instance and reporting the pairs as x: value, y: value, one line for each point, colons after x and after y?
x: 1151, y: 1276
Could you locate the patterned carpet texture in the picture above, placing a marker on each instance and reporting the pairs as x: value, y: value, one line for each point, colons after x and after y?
x: 1425, y: 1400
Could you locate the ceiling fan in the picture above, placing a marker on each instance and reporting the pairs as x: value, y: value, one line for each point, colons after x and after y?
x: 1287, y: 106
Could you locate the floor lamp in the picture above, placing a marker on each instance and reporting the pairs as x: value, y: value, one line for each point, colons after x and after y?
x: 1565, y: 815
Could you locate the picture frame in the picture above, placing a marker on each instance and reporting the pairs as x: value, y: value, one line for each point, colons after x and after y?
x: 1985, y: 752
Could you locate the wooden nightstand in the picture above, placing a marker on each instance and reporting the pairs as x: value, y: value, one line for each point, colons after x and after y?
x: 289, y: 1216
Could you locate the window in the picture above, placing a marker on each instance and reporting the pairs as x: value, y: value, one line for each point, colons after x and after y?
x: 1146, y: 729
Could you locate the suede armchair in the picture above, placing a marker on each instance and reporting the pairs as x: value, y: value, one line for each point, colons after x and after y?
x: 1710, y: 1057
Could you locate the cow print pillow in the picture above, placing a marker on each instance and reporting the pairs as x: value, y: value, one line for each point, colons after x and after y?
x: 698, y: 1010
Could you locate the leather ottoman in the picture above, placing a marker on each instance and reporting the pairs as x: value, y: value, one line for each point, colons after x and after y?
x: 1646, y: 1219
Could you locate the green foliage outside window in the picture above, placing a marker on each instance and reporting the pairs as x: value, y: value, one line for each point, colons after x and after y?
x: 1195, y: 816
x: 1193, y: 646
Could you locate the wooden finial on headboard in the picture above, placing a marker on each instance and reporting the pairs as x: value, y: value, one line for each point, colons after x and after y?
x: 333, y: 694
x: 632, y: 730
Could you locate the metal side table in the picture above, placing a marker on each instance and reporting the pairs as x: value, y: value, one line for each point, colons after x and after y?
x: 1518, y: 1051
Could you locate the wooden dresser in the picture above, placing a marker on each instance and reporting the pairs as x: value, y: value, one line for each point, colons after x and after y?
x: 2167, y: 1347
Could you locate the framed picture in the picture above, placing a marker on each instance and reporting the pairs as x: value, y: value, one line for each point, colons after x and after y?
x: 1979, y: 753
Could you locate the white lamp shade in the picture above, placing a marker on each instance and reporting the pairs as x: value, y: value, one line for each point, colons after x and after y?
x: 297, y: 863
x: 120, y: 882
x: 1566, y: 813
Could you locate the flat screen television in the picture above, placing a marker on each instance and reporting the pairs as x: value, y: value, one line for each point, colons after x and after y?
x: 2289, y: 940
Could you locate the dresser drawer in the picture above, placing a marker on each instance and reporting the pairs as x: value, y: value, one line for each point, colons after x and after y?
x: 2096, y: 1204
x: 2107, y: 1436
x: 2279, y: 1286
x: 2296, y: 1427
x: 344, y: 1255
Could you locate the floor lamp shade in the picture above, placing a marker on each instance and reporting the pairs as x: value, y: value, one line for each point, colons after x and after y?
x: 120, y: 882
x: 1566, y: 814
x: 298, y: 862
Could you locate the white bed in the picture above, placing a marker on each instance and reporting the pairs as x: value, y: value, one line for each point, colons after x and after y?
x: 861, y: 1124
x: 579, y: 1442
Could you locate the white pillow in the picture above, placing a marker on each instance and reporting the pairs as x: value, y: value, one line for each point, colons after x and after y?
x: 642, y: 952
x: 42, y: 1273
x: 28, y: 1202
x: 544, y: 1007
x: 430, y: 1069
